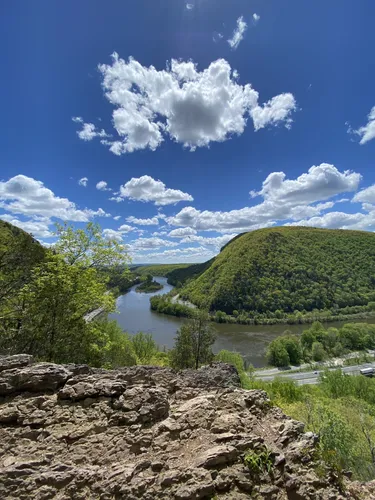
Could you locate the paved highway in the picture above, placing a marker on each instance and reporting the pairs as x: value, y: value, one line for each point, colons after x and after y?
x: 302, y: 378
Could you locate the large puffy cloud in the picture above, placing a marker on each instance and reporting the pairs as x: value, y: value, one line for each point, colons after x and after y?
x: 238, y: 33
x: 27, y: 196
x: 366, y: 195
x: 283, y: 200
x: 147, y: 189
x: 189, y: 106
x: 319, y: 183
x: 367, y: 132
x: 341, y: 220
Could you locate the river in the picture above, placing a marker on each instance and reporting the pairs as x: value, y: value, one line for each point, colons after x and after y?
x: 134, y: 315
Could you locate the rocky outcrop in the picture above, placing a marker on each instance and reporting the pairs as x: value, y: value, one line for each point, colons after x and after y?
x: 73, y: 432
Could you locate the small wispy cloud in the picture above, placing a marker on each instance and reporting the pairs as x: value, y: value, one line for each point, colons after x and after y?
x: 238, y: 33
x: 216, y: 37
x: 256, y: 18
x: 83, y: 182
x: 189, y: 6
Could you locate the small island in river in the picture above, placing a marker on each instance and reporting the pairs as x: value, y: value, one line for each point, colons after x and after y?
x: 149, y: 285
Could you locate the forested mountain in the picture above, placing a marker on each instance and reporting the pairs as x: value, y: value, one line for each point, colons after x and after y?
x: 287, y: 269
x: 19, y: 253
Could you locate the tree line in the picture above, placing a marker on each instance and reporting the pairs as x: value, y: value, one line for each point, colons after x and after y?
x: 319, y: 344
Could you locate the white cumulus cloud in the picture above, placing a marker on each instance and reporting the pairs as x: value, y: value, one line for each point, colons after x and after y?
x: 188, y: 106
x: 83, y: 182
x: 238, y: 33
x: 367, y: 132
x: 102, y: 186
x: 89, y: 131
x: 176, y: 255
x: 256, y: 18
x: 365, y: 195
x: 182, y: 232
x: 146, y: 189
x: 148, y: 243
x: 283, y: 199
x: 216, y: 242
x: 153, y: 221
x: 125, y: 228
x: 27, y: 196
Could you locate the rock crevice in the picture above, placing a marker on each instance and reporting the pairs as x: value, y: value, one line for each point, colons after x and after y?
x: 75, y: 432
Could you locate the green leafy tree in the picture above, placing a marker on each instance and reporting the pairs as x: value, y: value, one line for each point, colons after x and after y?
x: 193, y: 344
x: 144, y: 347
x: 277, y: 355
x: 55, y: 301
x: 318, y: 352
x: 233, y: 358
x: 110, y: 346
x: 88, y: 247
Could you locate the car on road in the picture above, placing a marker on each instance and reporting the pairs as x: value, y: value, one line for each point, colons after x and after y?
x: 367, y: 372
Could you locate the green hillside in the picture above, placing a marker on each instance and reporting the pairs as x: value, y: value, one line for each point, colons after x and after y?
x: 288, y: 269
x: 157, y: 269
x: 19, y: 252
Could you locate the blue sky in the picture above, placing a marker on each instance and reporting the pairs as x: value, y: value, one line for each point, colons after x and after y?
x: 227, y: 117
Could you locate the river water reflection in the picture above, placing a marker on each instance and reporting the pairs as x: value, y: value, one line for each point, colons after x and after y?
x: 134, y: 315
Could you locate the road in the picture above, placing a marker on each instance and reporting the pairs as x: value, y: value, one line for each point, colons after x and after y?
x: 303, y: 378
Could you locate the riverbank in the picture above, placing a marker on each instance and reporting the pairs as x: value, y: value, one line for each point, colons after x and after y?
x: 135, y: 315
x: 175, y: 306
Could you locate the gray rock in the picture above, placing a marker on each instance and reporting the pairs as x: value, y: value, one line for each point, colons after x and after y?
x: 91, y: 386
x: 217, y: 456
x: 17, y: 361
x: 147, y: 433
x: 43, y: 377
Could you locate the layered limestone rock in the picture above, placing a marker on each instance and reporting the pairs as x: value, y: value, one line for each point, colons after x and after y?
x: 74, y: 432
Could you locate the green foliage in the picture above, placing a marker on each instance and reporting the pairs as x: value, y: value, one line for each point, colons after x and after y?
x: 186, y: 273
x: 144, y: 347
x: 50, y: 324
x: 232, y: 358
x: 19, y: 253
x: 193, y: 343
x: 149, y: 286
x: 289, y: 270
x: 157, y: 269
x: 340, y: 409
x: 284, y: 351
x: 317, y: 352
x: 318, y: 344
x: 110, y: 346
x: 163, y: 304
x: 88, y: 248
x: 49, y: 294
x: 259, y: 461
